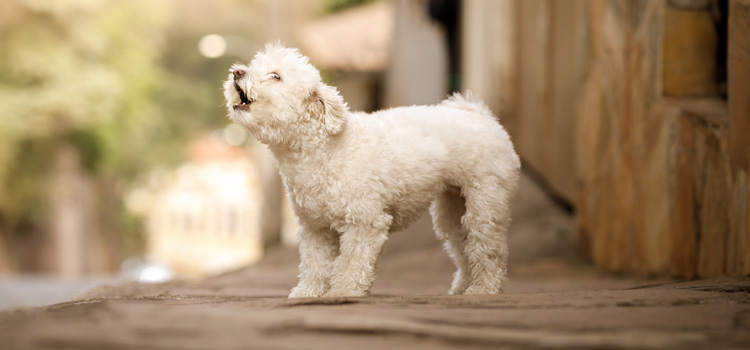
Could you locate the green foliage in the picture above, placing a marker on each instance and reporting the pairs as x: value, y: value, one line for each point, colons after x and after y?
x: 26, y: 184
x: 333, y: 6
x: 88, y: 145
x: 90, y: 75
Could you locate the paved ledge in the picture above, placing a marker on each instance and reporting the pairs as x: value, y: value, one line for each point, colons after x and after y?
x: 553, y: 301
x: 548, y: 306
x: 671, y: 316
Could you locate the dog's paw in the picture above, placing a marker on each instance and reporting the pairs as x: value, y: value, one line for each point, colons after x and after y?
x: 460, y: 283
x: 453, y: 291
x: 301, y: 292
x: 345, y: 293
x: 478, y: 290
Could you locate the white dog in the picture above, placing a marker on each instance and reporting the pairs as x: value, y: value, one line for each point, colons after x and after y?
x: 353, y: 178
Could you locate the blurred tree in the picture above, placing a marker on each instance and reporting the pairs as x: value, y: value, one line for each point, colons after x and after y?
x: 332, y: 6
x: 87, y: 76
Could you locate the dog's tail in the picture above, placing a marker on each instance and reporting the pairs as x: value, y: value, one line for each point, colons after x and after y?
x: 468, y: 102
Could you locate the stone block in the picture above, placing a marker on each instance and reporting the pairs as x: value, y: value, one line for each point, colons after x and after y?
x: 689, y: 53
x: 709, y: 160
x: 683, y: 236
x: 738, y: 65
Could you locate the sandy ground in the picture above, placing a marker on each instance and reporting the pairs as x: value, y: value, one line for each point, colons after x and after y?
x: 554, y: 301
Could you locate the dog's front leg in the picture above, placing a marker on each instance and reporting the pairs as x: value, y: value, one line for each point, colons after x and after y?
x: 317, y: 249
x: 354, y: 269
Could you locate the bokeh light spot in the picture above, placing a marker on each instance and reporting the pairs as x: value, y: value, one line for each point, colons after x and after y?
x: 212, y: 46
x: 234, y: 135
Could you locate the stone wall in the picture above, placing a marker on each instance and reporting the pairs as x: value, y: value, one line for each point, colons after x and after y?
x: 552, y: 56
x: 660, y: 191
x: 619, y: 106
x: 738, y: 68
x: 417, y: 70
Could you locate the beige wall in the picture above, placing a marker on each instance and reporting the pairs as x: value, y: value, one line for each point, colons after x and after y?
x: 488, y: 70
x: 417, y: 68
x: 527, y: 60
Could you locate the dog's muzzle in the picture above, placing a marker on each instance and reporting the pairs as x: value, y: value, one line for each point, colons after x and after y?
x: 245, y: 101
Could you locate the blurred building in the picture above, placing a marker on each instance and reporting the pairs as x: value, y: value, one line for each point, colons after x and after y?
x: 204, y: 218
x: 353, y: 47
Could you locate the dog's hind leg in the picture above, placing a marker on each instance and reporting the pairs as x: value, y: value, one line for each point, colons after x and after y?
x: 447, y: 210
x: 317, y: 249
x: 486, y: 220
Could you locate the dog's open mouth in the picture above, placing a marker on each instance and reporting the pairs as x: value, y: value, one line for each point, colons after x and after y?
x: 244, y: 100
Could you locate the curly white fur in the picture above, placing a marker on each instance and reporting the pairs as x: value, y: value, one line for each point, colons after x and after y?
x: 353, y: 178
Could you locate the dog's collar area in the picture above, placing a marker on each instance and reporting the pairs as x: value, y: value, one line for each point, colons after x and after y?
x: 244, y: 100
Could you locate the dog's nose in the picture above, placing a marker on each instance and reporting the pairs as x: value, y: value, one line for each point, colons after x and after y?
x: 238, y: 73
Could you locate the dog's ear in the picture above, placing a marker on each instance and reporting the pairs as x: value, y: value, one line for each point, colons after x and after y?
x: 326, y: 105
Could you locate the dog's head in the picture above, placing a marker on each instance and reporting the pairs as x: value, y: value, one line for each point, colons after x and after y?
x: 279, y: 98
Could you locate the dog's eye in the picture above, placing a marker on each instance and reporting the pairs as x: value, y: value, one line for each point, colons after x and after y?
x: 275, y: 76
